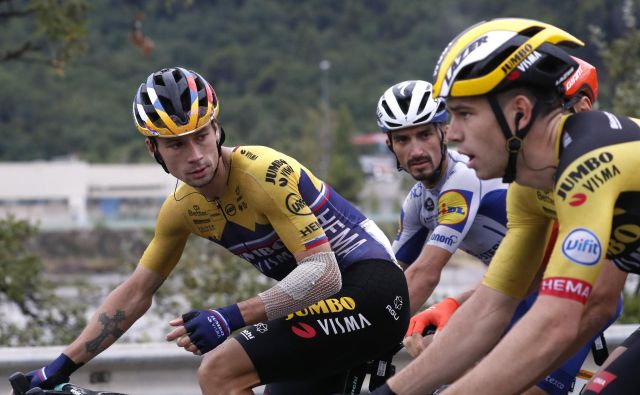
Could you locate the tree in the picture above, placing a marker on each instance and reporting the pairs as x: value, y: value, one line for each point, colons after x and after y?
x: 621, y: 58
x: 58, y: 28
x: 207, y: 276
x: 345, y: 173
x: 46, y: 318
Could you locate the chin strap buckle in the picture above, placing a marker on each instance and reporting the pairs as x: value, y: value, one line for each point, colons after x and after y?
x: 513, y: 144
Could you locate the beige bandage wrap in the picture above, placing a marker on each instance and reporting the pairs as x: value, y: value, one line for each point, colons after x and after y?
x: 316, y: 277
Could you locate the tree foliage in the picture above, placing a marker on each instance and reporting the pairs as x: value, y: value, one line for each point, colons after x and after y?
x: 621, y: 57
x: 57, y: 26
x: 262, y: 57
x: 207, y: 276
x: 31, y: 314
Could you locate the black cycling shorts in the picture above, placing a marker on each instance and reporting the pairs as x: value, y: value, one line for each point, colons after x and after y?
x: 368, y: 317
x: 621, y: 376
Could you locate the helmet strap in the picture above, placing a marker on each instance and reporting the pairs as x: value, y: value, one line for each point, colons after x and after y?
x: 156, y: 154
x: 513, y: 140
x: 433, y: 179
x: 568, y: 105
x: 222, y: 138
x: 390, y: 147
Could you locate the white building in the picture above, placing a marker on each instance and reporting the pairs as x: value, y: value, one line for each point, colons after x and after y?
x: 70, y: 194
x: 75, y: 194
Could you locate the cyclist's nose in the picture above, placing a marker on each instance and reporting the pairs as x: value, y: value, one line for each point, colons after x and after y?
x: 455, y: 133
x: 194, y: 151
x: 416, y: 148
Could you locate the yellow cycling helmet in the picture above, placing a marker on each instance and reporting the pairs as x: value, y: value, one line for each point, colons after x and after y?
x: 492, y: 56
x: 174, y: 102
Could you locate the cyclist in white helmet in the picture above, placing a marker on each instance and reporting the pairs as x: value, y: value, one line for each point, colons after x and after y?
x: 449, y: 207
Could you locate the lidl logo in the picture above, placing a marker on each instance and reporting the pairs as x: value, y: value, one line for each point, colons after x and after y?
x: 453, y: 207
x: 582, y: 246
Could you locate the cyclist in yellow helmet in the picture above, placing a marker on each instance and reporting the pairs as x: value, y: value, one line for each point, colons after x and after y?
x: 504, y: 85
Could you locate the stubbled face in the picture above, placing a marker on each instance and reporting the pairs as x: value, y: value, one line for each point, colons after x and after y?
x: 418, y: 150
x: 193, y: 158
x: 478, y: 135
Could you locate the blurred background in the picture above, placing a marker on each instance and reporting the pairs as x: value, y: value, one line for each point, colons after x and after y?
x: 80, y: 194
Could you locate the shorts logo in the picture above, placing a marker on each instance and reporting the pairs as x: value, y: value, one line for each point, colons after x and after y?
x: 582, y: 246
x: 341, y: 325
x: 261, y: 327
x: 326, y: 306
x: 247, y: 334
x: 397, y: 302
x: 303, y: 330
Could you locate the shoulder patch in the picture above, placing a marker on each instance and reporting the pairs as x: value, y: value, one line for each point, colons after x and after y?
x: 453, y: 208
x: 582, y: 246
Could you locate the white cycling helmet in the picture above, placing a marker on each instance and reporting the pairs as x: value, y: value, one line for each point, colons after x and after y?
x: 409, y: 103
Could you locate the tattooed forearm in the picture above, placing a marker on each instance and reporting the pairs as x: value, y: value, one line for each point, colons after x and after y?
x: 109, y: 328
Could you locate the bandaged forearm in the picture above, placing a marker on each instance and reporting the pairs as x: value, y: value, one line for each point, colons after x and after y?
x: 316, y: 277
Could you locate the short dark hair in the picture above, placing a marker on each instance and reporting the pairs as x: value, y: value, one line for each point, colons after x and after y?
x: 548, y: 101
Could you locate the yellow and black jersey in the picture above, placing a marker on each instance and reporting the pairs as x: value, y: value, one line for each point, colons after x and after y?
x: 596, y: 200
x: 272, y: 207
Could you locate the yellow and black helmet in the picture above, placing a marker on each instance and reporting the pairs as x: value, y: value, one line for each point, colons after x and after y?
x: 492, y: 56
x: 174, y: 102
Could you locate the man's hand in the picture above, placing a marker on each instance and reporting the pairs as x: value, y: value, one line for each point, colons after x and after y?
x: 416, y: 343
x: 200, y: 331
x: 435, y: 316
x: 57, y: 372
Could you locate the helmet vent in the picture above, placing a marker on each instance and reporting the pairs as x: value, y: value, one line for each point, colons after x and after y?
x: 185, y: 100
x: 404, y: 104
x: 532, y: 31
x: 139, y: 120
x: 423, y: 103
x: 551, y: 65
x: 155, y: 118
x: 422, y: 119
x: 177, y: 76
x: 167, y: 105
x: 387, y: 109
x: 145, y: 98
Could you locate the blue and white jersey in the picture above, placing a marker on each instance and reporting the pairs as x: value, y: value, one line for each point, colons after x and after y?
x: 461, y: 211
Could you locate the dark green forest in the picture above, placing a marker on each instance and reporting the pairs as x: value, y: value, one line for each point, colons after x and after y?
x: 262, y: 56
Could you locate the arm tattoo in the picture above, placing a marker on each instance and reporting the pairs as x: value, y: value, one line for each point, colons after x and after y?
x: 110, y: 327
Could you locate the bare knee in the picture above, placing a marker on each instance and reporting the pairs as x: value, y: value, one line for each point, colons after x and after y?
x: 227, y: 370
x: 214, y: 375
